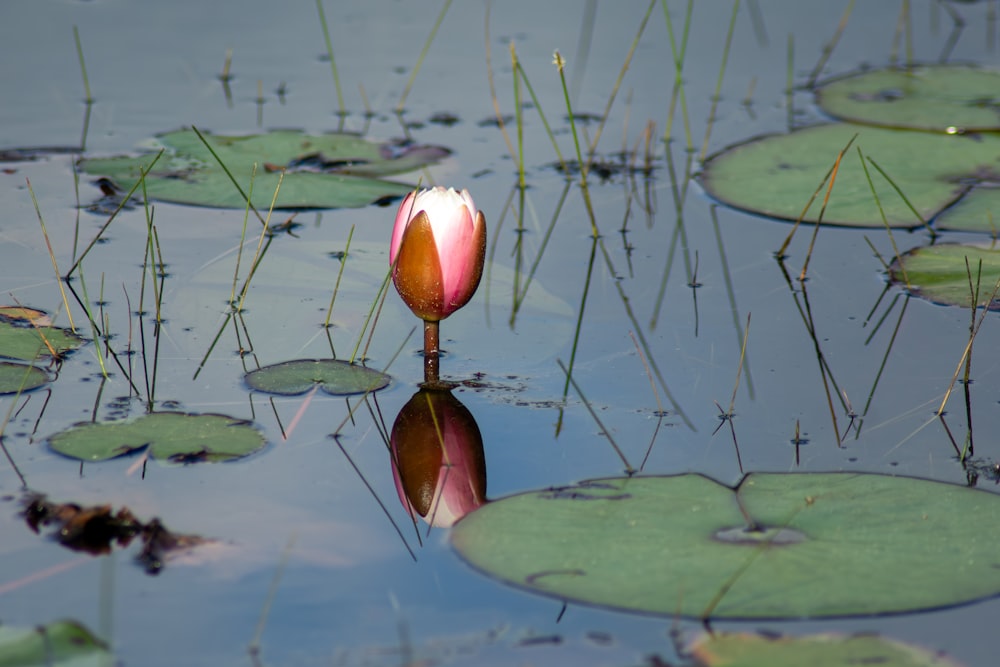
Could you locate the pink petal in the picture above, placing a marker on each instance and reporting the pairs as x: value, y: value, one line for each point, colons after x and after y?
x: 403, y: 217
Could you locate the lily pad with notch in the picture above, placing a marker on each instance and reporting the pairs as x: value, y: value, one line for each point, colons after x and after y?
x: 336, y: 170
x: 174, y: 437
x: 777, y: 546
x: 774, y: 175
x: 939, y: 98
x: 58, y: 644
x: 939, y: 273
x: 334, y: 376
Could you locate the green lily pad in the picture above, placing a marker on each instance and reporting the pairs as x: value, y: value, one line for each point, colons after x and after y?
x: 175, y: 437
x: 941, y: 98
x: 820, y: 545
x: 978, y: 211
x: 320, y: 171
x: 938, y: 273
x: 58, y: 644
x: 20, y: 377
x: 775, y: 175
x: 21, y: 340
x: 333, y: 376
x: 824, y: 650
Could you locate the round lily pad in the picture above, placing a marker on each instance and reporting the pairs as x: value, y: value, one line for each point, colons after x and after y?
x: 20, y: 340
x: 938, y: 273
x: 320, y: 171
x: 333, y: 376
x: 16, y: 378
x: 825, y: 650
x: 175, y: 437
x: 775, y: 175
x: 58, y: 644
x: 942, y: 98
x: 778, y: 546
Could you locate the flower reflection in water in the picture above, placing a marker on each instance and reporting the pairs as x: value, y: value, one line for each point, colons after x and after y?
x: 437, y: 456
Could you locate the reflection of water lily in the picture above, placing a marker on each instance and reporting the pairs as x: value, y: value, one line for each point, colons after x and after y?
x: 438, y: 246
x: 438, y: 461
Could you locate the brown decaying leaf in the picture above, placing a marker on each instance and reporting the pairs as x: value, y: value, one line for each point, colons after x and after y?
x: 97, y: 528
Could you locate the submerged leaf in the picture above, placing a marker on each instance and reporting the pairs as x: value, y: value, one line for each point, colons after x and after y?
x: 778, y: 546
x: 333, y: 376
x: 175, y: 437
x: 320, y: 171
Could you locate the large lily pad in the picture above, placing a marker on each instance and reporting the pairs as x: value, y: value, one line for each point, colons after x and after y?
x: 943, y: 98
x: 176, y: 437
x: 320, y: 171
x: 333, y: 376
x: 817, y: 545
x: 939, y: 273
x: 775, y: 175
x: 20, y: 340
x: 20, y: 377
x: 58, y: 644
x: 826, y: 650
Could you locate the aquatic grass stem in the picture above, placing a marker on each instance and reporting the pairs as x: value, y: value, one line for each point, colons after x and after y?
x: 618, y: 81
x: 340, y: 274
x: 718, y: 84
x: 114, y: 214
x: 492, y: 85
x: 830, y: 45
x: 333, y: 63
x: 89, y: 99
x: 885, y: 221
x: 52, y: 255
x: 228, y: 173
x: 906, y: 200
x: 678, y: 91
x: 629, y: 470
x: 420, y: 59
x: 560, y: 64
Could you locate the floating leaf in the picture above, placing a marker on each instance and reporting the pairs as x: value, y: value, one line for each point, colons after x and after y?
x: 775, y: 175
x: 942, y: 98
x: 20, y: 377
x: 320, y: 171
x: 176, y: 437
x: 978, y: 211
x: 333, y: 376
x: 20, y: 340
x: 818, y: 545
x: 825, y: 650
x: 58, y: 644
x: 938, y: 273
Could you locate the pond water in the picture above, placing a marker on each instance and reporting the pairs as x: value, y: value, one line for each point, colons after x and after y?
x: 308, y: 558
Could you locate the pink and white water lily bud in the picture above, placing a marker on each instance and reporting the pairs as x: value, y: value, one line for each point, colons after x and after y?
x: 438, y: 249
x: 437, y: 458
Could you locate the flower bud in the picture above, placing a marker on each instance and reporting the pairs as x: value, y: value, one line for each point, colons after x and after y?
x: 438, y: 249
x: 437, y: 457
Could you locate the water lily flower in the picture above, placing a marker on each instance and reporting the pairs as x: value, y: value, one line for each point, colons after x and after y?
x: 437, y: 252
x: 437, y: 458
x: 438, y: 248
